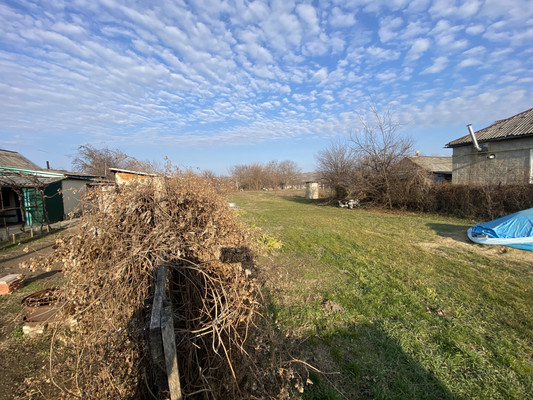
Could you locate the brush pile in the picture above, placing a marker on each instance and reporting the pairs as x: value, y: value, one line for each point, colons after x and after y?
x: 109, y: 269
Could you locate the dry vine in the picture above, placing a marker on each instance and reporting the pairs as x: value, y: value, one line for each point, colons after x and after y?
x: 109, y: 267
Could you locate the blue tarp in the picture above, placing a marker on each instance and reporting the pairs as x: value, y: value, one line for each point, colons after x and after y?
x: 514, y: 230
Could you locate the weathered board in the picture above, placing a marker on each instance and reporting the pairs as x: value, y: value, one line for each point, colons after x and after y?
x: 162, y: 337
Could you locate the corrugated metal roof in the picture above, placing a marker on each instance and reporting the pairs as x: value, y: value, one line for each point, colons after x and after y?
x: 26, y: 180
x: 516, y: 126
x: 12, y: 159
x: 433, y: 164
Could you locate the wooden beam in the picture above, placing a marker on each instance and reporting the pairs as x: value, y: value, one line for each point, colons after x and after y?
x: 169, y: 348
x: 155, y: 321
x: 162, y: 338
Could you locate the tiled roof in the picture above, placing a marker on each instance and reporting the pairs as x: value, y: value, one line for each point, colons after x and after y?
x: 12, y: 159
x: 516, y: 126
x: 433, y: 164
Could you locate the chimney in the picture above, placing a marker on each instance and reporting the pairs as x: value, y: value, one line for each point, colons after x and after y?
x: 473, y: 136
x: 48, y: 165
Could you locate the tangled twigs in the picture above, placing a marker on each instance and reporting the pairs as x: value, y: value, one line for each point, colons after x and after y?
x: 109, y: 267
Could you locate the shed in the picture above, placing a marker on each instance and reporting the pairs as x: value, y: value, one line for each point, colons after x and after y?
x: 123, y: 176
x: 35, y: 196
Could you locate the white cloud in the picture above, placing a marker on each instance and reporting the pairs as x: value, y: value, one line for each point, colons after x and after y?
x: 475, y: 29
x: 320, y: 75
x: 418, y: 48
x: 388, y: 28
x: 417, y: 6
x: 386, y: 75
x: 469, y: 62
x: 413, y: 29
x: 338, y: 19
x: 308, y: 14
x: 468, y: 8
x: 379, y: 53
x: 438, y: 65
x: 477, y: 51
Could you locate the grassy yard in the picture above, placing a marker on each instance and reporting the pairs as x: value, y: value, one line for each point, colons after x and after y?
x: 399, y: 305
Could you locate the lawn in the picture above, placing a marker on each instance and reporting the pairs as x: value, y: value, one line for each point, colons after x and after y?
x: 394, y: 305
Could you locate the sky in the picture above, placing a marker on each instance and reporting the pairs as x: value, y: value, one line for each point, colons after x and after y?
x: 211, y: 84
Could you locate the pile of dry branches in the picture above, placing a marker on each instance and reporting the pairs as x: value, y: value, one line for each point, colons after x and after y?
x: 109, y: 269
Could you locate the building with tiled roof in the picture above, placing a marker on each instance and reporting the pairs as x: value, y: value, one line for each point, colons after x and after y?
x: 501, y: 153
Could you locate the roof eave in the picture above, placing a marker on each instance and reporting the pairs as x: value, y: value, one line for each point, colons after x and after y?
x: 499, y: 139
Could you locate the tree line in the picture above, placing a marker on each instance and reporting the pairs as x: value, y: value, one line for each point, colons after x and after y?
x: 272, y: 175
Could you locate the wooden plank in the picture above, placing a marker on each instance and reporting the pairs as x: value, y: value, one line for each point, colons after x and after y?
x: 155, y: 320
x: 169, y: 347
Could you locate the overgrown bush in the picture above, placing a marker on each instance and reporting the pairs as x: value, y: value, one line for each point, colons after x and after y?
x: 467, y: 201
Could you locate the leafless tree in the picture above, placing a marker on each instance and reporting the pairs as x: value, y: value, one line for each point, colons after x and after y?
x: 337, y: 168
x: 379, y: 146
x: 94, y: 161
x: 288, y: 174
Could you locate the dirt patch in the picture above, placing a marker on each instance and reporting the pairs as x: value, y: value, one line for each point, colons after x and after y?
x: 24, y: 359
x: 12, y: 257
x: 461, y: 241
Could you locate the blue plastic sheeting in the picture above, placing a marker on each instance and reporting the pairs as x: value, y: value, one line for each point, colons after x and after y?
x: 514, y: 230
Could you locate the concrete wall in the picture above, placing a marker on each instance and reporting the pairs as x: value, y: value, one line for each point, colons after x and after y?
x: 311, y: 190
x: 504, y: 162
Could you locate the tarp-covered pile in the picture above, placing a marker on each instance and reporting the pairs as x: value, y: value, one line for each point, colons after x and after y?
x: 514, y: 230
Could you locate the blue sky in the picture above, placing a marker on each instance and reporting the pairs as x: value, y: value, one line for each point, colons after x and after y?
x: 211, y: 84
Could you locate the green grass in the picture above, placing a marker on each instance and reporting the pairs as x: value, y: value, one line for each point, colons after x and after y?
x: 420, y: 312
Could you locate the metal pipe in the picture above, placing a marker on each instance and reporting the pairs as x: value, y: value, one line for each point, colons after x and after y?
x: 473, y: 136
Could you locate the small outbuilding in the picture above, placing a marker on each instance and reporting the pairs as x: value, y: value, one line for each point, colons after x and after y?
x: 31, y: 195
x: 438, y: 169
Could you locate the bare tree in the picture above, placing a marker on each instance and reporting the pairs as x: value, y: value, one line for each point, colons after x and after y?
x: 337, y: 168
x: 97, y: 162
x: 288, y: 173
x: 379, y: 146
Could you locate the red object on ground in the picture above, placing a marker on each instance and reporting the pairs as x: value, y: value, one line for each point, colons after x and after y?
x: 10, y: 283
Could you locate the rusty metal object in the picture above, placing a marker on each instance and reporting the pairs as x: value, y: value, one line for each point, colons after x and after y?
x: 41, y: 306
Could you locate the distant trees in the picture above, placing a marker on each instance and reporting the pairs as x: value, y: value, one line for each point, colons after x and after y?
x: 274, y: 174
x: 364, y: 164
x: 94, y: 161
